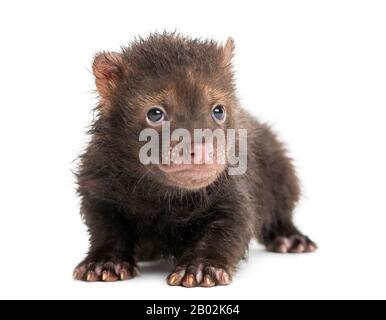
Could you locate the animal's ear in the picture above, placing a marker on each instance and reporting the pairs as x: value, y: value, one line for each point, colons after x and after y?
x: 108, y: 70
x: 229, y: 49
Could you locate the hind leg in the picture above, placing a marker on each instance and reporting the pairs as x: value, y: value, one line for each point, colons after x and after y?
x: 279, y: 234
x: 278, y: 195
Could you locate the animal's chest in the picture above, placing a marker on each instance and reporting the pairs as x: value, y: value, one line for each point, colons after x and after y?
x: 163, y: 237
x: 165, y: 231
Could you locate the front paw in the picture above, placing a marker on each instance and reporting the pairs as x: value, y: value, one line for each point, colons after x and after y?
x: 199, y: 275
x: 107, y: 271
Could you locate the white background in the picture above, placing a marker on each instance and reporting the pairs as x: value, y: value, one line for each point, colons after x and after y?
x: 315, y: 70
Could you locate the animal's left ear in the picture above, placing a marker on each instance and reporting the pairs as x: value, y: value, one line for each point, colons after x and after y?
x: 229, y: 49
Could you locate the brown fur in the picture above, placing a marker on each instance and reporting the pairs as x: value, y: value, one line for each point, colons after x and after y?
x: 133, y: 215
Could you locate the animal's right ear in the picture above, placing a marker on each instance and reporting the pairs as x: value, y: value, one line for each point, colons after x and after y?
x: 228, y: 50
x: 108, y: 71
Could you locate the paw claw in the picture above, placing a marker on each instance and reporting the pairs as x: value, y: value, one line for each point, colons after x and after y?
x: 199, y: 275
x: 208, y: 282
x: 91, y: 276
x: 282, y: 249
x: 173, y: 280
x: 176, y: 278
x: 224, y: 279
x: 293, y: 244
x: 123, y: 275
x: 108, y: 276
x: 189, y: 281
x: 298, y: 249
x: 104, y: 271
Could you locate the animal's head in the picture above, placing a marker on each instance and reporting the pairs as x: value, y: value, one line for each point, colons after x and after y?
x: 166, y: 81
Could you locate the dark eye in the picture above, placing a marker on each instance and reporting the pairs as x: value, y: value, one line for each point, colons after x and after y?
x: 218, y: 112
x: 156, y: 115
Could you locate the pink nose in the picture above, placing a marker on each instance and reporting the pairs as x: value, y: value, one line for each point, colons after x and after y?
x: 202, y: 153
